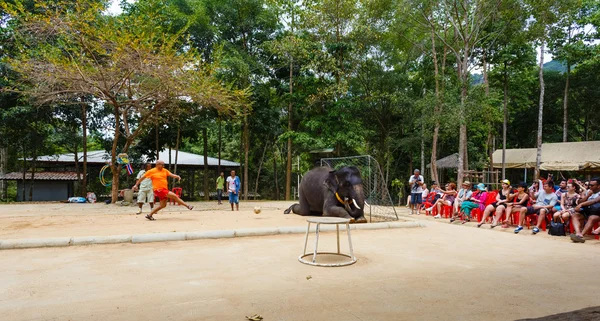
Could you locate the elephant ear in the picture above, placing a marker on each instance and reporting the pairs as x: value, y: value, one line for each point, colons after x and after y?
x: 332, y: 181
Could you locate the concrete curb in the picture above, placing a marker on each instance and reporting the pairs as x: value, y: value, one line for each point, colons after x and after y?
x: 182, y: 236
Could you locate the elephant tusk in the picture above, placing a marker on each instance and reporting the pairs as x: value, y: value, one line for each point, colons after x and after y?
x: 355, y: 205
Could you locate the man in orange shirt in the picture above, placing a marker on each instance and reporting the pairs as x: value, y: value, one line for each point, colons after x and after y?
x: 159, y: 175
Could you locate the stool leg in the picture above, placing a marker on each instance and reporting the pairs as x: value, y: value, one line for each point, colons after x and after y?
x: 306, y: 239
x: 350, y: 241
x: 337, y: 228
x: 316, y: 243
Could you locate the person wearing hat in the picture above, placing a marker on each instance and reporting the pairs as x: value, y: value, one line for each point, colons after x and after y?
x: 476, y: 201
x: 502, y: 199
x: 464, y: 194
x: 416, y: 189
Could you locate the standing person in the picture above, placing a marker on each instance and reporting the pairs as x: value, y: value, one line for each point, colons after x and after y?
x: 146, y: 193
x: 220, y: 184
x: 233, y: 187
x: 416, y: 189
x: 159, y: 175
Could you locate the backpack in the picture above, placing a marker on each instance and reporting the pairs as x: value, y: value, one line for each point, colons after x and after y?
x: 556, y: 228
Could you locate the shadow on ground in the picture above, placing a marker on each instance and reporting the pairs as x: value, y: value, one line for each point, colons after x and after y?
x: 587, y: 314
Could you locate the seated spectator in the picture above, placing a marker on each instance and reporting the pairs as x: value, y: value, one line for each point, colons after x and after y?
x: 545, y: 201
x: 499, y: 206
x: 447, y: 199
x: 521, y: 198
x: 568, y: 201
x: 588, y: 209
x: 423, y: 197
x: 562, y: 188
x: 476, y: 201
x: 464, y: 194
x: 534, y: 189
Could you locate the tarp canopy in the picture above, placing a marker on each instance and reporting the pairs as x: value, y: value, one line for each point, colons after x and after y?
x: 571, y: 156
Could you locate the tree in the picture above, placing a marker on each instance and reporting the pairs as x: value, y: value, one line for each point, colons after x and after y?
x: 127, y: 62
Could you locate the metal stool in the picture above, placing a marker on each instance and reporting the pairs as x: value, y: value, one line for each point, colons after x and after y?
x: 328, y: 220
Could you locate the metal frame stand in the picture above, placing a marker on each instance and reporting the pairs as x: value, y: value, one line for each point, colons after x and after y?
x: 327, y: 220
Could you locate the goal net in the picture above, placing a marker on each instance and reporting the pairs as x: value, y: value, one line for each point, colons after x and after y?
x: 379, y: 207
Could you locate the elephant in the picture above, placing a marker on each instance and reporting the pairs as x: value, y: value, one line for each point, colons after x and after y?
x: 328, y: 192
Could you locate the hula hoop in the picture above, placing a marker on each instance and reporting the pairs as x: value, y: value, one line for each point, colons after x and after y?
x: 101, y: 176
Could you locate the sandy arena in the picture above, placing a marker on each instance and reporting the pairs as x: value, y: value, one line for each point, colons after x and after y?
x: 441, y: 272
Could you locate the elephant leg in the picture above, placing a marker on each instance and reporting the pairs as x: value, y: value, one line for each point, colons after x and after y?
x: 300, y: 210
x: 295, y: 208
x: 336, y: 211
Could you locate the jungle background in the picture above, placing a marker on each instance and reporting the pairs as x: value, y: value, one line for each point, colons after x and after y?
x: 265, y: 82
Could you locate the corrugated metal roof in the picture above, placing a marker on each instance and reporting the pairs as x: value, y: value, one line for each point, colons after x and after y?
x: 103, y: 157
x: 42, y: 176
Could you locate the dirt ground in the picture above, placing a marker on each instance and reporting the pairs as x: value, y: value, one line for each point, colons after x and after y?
x: 69, y: 220
x: 60, y: 219
x: 441, y: 272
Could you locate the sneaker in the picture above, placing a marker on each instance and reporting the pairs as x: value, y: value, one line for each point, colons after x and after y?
x: 437, y: 216
x: 429, y: 209
x: 139, y: 212
x: 518, y: 229
x: 536, y: 230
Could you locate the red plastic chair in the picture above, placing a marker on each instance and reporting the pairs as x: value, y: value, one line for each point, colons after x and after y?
x: 177, y: 191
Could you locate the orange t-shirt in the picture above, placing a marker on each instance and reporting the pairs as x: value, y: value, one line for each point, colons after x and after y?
x: 159, y: 178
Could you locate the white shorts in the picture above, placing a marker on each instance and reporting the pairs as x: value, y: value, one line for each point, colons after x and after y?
x: 145, y: 196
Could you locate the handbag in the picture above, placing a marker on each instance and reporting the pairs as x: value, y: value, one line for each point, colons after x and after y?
x: 557, y: 228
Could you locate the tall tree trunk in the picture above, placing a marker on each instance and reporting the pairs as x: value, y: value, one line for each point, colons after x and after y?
x: 156, y: 134
x: 178, y: 139
x: 3, y: 166
x: 565, y: 105
x: 169, y: 167
x: 23, y: 190
x: 219, y: 152
x: 505, y: 122
x: 288, y: 173
x: 436, y: 109
x: 205, y: 143
x: 114, y: 167
x: 259, y: 169
x: 538, y: 159
x: 246, y: 154
x: 33, y: 166
x: 84, y: 134
x: 275, y: 175
x: 78, y: 171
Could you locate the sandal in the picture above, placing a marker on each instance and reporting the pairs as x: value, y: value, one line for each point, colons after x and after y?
x: 150, y: 218
x: 493, y: 225
x: 465, y: 221
x: 452, y: 220
x: 190, y: 207
x: 479, y: 224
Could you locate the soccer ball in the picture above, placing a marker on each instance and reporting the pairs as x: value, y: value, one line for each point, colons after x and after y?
x: 256, y: 210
